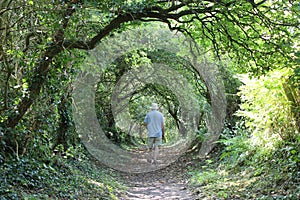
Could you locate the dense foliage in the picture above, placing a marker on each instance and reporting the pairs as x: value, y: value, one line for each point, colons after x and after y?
x: 263, y: 150
x: 43, y: 46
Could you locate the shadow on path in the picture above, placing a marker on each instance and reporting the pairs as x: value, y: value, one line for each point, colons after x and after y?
x: 169, y: 183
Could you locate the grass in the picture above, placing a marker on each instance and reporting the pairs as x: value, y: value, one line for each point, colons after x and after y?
x: 260, y: 180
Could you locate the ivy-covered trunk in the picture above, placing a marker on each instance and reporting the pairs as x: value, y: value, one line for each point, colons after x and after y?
x: 64, y: 123
x: 293, y: 95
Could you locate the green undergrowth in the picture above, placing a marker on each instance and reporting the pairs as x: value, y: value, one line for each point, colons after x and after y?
x: 261, y: 181
x: 260, y: 158
x: 60, y: 178
x: 249, y: 174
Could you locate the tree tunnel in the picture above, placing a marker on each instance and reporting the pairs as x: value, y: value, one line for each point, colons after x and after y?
x: 122, y: 77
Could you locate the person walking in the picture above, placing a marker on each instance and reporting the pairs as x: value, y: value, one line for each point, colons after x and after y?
x: 154, y: 121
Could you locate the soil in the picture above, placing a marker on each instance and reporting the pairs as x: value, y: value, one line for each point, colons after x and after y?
x: 170, y: 183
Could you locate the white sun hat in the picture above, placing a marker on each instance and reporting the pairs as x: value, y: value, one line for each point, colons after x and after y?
x: 154, y: 106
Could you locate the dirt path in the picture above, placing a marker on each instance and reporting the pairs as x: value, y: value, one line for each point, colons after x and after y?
x: 169, y: 183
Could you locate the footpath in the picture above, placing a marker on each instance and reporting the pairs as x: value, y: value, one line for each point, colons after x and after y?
x: 170, y: 183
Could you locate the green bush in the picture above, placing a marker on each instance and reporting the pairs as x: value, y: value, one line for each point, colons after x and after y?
x: 267, y: 109
x: 261, y: 154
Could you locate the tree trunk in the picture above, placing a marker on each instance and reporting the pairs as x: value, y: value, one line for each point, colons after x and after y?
x: 64, y: 122
x: 35, y: 86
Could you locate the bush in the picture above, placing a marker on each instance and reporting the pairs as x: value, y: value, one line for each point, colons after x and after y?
x: 261, y: 155
x: 267, y: 110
